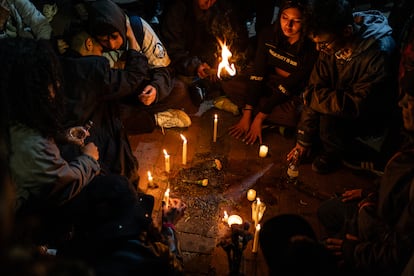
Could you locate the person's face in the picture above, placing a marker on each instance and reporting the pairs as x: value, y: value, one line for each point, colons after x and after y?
x: 325, y: 43
x: 407, y: 105
x: 113, y: 41
x: 291, y: 23
x: 205, y: 4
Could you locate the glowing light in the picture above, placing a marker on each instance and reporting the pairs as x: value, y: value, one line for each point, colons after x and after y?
x: 225, y: 64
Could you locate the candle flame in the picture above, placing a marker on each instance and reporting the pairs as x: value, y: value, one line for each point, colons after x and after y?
x: 258, y: 227
x: 215, y: 117
x: 167, y: 192
x: 225, y: 64
x: 149, y: 175
x: 226, y: 216
x: 258, y: 201
x: 183, y: 137
x: 165, y: 153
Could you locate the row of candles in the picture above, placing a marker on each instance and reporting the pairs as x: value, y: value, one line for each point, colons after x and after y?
x: 258, y: 209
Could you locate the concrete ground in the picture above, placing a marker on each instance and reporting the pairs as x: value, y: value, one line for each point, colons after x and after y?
x: 202, y: 228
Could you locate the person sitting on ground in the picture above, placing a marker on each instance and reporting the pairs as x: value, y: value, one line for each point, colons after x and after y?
x: 290, y: 247
x: 352, y: 90
x: 21, y: 18
x: 92, y: 93
x: 372, y: 233
x: 283, y: 62
x: 106, y: 23
x: 191, y: 29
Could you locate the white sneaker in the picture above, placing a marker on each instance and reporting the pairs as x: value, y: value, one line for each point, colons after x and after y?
x: 172, y: 118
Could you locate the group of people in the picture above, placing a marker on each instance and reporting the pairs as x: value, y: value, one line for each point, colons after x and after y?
x: 105, y: 72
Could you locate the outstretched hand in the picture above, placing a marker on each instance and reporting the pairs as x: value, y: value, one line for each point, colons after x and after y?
x: 174, y: 211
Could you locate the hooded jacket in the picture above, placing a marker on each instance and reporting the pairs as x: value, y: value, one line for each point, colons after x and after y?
x: 359, y: 86
x: 106, y: 17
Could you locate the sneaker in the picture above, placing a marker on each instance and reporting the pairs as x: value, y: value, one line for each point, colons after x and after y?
x: 368, y: 166
x: 172, y: 118
x: 226, y: 104
x: 325, y: 164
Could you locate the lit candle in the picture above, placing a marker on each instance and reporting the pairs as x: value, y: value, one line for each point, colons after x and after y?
x: 215, y: 128
x: 263, y: 151
x: 166, y: 197
x: 234, y: 219
x: 225, y: 217
x: 184, y: 149
x: 150, y: 179
x: 251, y: 194
x: 167, y: 161
x: 254, y: 211
x: 256, y: 239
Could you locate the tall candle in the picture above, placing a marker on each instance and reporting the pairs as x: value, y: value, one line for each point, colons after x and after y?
x: 215, y: 128
x: 150, y: 179
x: 256, y: 239
x: 166, y: 197
x: 184, y: 159
x: 167, y: 161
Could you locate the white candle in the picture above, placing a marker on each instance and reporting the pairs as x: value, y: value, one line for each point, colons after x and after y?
x: 215, y: 128
x: 251, y: 194
x: 225, y: 217
x: 256, y: 239
x: 263, y: 151
x: 234, y: 219
x: 166, y: 197
x: 167, y: 161
x: 150, y: 179
x: 184, y: 160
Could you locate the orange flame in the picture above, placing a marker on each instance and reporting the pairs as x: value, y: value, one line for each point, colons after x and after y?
x: 225, y: 64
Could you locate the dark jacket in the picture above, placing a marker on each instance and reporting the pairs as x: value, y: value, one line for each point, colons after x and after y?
x: 106, y: 17
x: 274, y: 53
x: 92, y: 90
x: 388, y: 254
x: 191, y: 38
x: 360, y: 87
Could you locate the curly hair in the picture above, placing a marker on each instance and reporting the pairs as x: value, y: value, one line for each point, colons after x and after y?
x: 30, y: 71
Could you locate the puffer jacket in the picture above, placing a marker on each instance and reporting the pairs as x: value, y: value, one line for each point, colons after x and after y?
x: 26, y: 21
x: 356, y: 86
x: 39, y: 171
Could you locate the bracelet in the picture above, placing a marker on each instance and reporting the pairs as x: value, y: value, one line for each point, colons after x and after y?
x: 168, y: 225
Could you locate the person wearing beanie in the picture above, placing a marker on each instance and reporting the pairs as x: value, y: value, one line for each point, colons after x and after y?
x: 352, y: 92
x: 283, y: 62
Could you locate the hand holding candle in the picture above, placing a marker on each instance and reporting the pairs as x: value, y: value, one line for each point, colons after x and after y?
x: 184, y: 159
x: 166, y: 198
x: 215, y: 128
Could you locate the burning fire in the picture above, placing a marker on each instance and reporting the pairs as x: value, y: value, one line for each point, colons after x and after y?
x: 225, y: 64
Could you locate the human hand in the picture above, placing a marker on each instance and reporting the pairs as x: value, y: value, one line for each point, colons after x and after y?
x: 242, y: 127
x: 303, y: 151
x: 351, y: 195
x: 148, y: 95
x: 91, y: 150
x: 62, y: 46
x: 174, y: 211
x: 255, y: 131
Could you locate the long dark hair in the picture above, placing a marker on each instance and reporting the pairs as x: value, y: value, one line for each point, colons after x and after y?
x: 29, y: 69
x: 304, y: 7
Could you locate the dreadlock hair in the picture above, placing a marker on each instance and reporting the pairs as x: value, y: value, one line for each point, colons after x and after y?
x: 304, y: 8
x: 330, y: 16
x: 30, y: 71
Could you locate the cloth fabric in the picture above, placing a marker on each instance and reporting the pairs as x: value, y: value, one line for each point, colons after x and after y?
x: 93, y: 92
x: 358, y: 92
x: 41, y: 174
x: 106, y: 17
x: 26, y: 21
x: 274, y: 52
